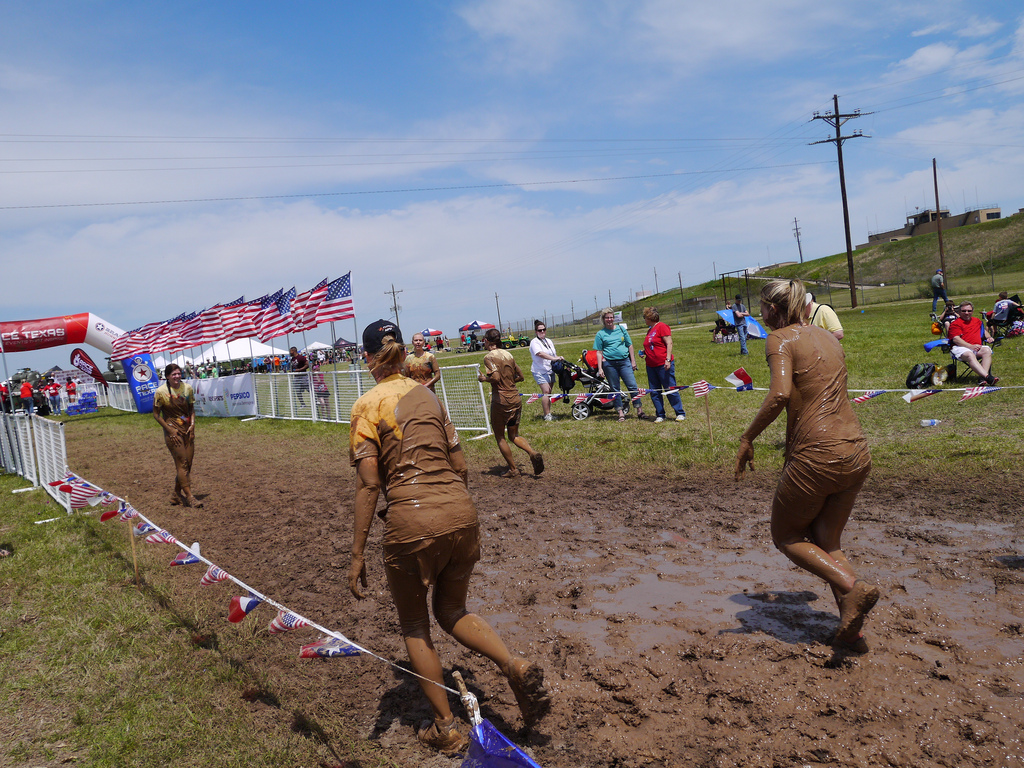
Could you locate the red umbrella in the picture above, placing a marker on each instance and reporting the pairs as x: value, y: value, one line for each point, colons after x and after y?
x: 476, y: 325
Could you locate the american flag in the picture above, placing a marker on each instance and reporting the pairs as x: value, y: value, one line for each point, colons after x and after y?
x: 268, y: 306
x: 173, y: 337
x: 580, y: 399
x: 249, y: 317
x: 127, y: 512
x: 278, y: 320
x: 306, y: 304
x: 82, y: 493
x: 212, y: 326
x: 213, y: 575
x: 920, y: 394
x: 640, y: 393
x: 533, y: 398
x: 142, y: 528
x: 241, y: 606
x: 868, y: 395
x: 701, y: 388
x: 975, y: 391
x: 161, y: 537
x: 326, y: 647
x: 337, y: 304
x: 232, y: 318
x: 186, y: 557
x: 286, y: 620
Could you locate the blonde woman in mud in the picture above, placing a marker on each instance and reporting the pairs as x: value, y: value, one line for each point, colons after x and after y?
x: 502, y: 373
x: 401, y: 440
x: 174, y: 410
x: 421, y: 365
x: 827, y: 458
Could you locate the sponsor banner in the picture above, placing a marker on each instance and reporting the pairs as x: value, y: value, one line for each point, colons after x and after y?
x: 83, y: 328
x: 226, y: 396
x: 142, y: 380
x: 84, y: 363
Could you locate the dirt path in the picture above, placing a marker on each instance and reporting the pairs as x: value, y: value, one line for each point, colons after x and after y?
x: 671, y: 630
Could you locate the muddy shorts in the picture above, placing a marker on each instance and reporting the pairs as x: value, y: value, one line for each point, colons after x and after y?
x: 506, y: 414
x: 805, y: 487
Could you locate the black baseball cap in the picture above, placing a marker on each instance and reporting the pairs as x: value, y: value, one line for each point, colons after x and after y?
x: 375, y: 333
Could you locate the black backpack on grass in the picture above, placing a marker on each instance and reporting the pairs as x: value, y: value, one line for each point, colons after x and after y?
x: 920, y: 376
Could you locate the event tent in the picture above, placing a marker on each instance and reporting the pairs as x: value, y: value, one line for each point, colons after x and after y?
x: 317, y: 345
x: 476, y: 325
x: 754, y: 328
x: 432, y: 332
x: 240, y: 349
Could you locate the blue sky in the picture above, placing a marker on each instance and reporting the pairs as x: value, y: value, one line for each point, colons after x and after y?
x: 546, y: 151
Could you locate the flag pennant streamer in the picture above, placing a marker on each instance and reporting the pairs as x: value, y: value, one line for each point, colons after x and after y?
x: 329, y: 647
x: 127, y: 512
x: 869, y: 394
x: 286, y: 620
x: 920, y: 394
x: 556, y: 398
x: 639, y: 393
x: 580, y: 399
x: 143, y: 528
x: 701, y: 388
x: 533, y: 398
x: 213, y: 575
x: 240, y: 607
x: 975, y: 391
x: 161, y: 537
x: 82, y: 493
x: 111, y: 514
x: 741, y: 380
x: 188, y: 557
x: 488, y: 748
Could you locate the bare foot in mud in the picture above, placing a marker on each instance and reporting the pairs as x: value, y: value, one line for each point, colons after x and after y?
x: 853, y: 609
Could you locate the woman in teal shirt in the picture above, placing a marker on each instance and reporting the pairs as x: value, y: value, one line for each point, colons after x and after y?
x: 616, y: 360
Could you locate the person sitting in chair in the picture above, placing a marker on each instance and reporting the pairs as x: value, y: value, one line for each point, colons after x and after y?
x: 965, y: 338
x: 1005, y: 311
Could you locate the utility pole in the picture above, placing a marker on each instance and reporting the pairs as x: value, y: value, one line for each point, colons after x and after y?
x: 656, y: 280
x: 394, y: 301
x: 609, y: 297
x: 836, y: 120
x: 796, y: 233
x: 938, y: 226
x: 499, y: 310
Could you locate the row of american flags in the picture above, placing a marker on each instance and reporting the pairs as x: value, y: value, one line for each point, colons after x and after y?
x: 266, y: 318
x: 82, y: 494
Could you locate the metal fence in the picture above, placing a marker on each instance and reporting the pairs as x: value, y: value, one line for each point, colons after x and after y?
x: 329, y: 396
x: 119, y: 396
x: 51, y: 457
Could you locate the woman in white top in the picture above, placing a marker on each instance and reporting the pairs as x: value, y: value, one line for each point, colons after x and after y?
x: 543, y: 353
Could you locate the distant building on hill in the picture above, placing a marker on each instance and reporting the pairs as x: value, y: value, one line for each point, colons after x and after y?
x: 924, y: 222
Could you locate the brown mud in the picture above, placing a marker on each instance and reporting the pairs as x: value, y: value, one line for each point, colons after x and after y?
x: 671, y: 631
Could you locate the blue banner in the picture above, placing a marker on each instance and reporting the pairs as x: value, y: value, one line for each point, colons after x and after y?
x: 142, y: 379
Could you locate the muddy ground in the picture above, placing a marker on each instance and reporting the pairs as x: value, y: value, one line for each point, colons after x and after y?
x: 671, y: 631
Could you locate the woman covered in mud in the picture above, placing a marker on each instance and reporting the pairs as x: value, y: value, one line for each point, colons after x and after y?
x: 421, y: 365
x: 401, y: 440
x: 503, y: 373
x: 827, y: 458
x: 174, y: 410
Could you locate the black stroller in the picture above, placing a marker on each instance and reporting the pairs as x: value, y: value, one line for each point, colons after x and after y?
x: 598, y: 393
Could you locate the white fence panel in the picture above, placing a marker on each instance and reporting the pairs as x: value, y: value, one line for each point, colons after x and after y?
x: 10, y: 457
x: 51, y: 457
x: 329, y: 396
x: 119, y: 396
x: 17, y: 446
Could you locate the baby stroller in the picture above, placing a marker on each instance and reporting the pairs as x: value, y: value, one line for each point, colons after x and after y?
x: 598, y: 394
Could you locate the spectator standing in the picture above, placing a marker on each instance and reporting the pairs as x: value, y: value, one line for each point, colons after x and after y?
x: 938, y: 288
x: 661, y: 366
x: 402, y: 441
x: 616, y: 359
x: 52, y: 390
x: 823, y: 316
x: 72, y: 389
x: 542, y: 352
x: 502, y: 372
x: 739, y: 317
x: 827, y: 458
x: 298, y: 363
x: 26, y: 396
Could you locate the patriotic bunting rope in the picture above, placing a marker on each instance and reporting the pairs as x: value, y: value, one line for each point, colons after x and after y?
x: 331, y: 644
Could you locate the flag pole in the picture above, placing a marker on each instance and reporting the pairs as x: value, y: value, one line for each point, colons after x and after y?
x: 707, y: 411
x: 135, y: 558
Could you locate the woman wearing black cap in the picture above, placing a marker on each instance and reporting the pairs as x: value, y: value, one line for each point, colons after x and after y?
x: 402, y: 440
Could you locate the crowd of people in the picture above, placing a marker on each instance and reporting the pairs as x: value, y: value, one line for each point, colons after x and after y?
x: 45, y: 396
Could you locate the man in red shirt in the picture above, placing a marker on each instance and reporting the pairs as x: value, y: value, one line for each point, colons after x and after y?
x: 26, y: 396
x: 965, y: 336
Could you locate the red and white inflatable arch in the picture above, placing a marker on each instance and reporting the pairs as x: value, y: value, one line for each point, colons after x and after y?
x: 83, y: 328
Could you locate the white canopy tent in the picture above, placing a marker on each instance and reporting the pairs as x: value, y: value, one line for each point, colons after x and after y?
x: 239, y: 349
x: 317, y: 345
